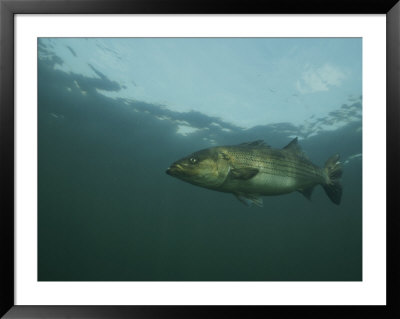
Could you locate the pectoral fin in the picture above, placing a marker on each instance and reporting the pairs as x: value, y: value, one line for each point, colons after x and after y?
x: 249, y: 199
x: 243, y: 173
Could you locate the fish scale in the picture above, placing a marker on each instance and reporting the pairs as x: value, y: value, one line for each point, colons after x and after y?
x: 275, y: 165
x: 253, y: 169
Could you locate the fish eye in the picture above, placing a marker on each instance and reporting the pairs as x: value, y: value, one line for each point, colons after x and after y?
x: 193, y: 160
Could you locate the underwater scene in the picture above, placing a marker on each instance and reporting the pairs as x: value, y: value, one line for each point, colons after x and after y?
x: 199, y: 159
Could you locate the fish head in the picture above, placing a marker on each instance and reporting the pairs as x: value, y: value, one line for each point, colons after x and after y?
x: 202, y: 168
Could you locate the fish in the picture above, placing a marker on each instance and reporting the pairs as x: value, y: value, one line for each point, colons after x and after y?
x: 251, y: 170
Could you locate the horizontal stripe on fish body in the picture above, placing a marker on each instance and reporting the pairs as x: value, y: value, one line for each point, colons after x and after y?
x: 269, y: 162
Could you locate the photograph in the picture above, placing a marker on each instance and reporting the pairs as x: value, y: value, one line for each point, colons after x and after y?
x: 194, y: 160
x: 199, y: 159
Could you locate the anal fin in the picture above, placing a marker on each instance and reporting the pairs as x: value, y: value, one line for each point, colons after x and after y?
x: 307, y: 192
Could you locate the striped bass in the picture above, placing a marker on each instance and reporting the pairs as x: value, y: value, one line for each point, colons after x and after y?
x: 254, y: 169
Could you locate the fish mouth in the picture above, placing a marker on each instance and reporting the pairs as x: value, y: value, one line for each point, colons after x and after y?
x: 174, y: 169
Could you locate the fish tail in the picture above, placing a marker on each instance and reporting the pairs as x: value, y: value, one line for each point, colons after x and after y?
x: 333, y: 172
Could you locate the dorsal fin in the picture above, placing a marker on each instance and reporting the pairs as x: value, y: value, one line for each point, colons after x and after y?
x: 294, y: 147
x: 256, y: 143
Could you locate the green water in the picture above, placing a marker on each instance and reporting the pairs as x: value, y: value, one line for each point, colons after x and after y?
x: 108, y: 212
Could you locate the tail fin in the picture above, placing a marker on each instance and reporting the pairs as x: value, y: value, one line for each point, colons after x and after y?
x: 332, y: 187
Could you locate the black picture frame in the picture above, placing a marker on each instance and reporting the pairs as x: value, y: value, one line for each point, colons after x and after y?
x: 9, y: 8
